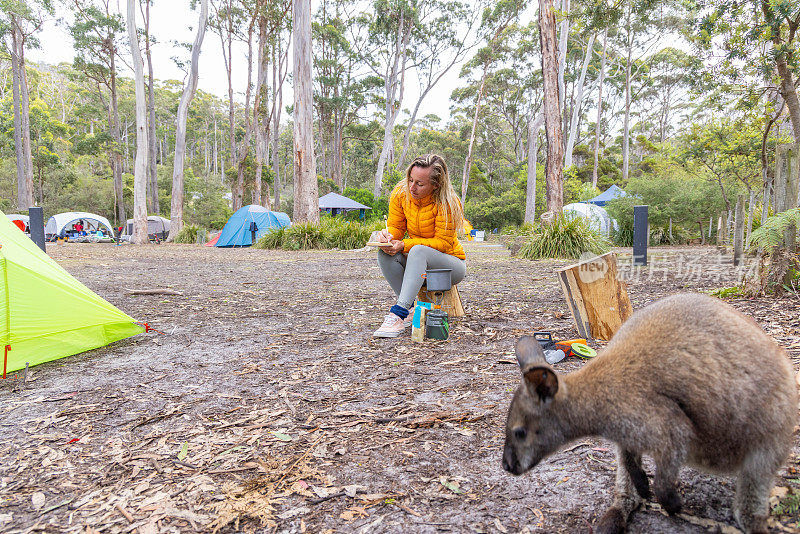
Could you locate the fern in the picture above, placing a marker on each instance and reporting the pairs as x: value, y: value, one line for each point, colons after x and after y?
x: 770, y: 236
x: 188, y: 234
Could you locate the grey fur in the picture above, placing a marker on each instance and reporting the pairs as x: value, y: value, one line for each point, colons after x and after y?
x: 686, y: 380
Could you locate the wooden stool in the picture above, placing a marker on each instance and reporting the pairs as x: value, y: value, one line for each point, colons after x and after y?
x: 451, y: 301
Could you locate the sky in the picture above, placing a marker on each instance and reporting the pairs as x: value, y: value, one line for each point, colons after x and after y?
x: 173, y: 21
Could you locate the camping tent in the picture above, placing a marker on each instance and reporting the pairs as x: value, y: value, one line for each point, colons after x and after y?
x: 155, y: 225
x: 597, y: 217
x: 20, y: 221
x: 609, y: 194
x: 45, y: 313
x: 334, y: 204
x: 60, y: 224
x: 238, y: 231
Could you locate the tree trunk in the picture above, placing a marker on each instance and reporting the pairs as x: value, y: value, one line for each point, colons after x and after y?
x: 276, y: 103
x: 530, y: 192
x: 468, y: 160
x: 788, y: 90
x: 626, y: 131
x: 306, y: 202
x: 152, y: 177
x: 552, y: 115
x: 140, y: 171
x: 244, y: 147
x: 576, y: 106
x: 394, y: 87
x: 24, y: 186
x: 261, y: 78
x: 176, y: 213
x: 563, y: 38
x: 599, y: 110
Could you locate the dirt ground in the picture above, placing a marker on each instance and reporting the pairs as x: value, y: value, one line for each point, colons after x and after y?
x: 263, y: 403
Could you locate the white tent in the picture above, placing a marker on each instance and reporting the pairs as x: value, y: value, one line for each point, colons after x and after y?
x: 597, y: 217
x: 17, y: 217
x: 60, y: 224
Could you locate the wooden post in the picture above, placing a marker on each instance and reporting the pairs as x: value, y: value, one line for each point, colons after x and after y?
x: 597, y: 299
x: 738, y: 231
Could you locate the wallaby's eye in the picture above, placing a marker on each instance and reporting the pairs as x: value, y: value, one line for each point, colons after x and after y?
x: 520, y: 433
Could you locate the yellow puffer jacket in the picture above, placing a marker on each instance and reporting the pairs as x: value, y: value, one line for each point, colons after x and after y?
x: 424, y: 222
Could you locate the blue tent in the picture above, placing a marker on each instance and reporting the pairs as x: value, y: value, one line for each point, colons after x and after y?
x: 238, y: 231
x: 609, y: 194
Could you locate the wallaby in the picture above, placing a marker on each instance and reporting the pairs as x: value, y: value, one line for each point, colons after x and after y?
x: 687, y: 380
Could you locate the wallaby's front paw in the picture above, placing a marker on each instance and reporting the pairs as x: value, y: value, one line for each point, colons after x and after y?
x: 612, y: 522
x: 670, y: 502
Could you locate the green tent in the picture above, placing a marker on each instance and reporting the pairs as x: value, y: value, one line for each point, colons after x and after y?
x: 45, y: 313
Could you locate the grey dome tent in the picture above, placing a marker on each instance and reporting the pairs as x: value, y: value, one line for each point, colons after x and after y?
x: 155, y: 225
x: 597, y: 217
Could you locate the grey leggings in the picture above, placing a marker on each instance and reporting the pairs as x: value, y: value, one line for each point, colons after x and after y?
x: 404, y: 273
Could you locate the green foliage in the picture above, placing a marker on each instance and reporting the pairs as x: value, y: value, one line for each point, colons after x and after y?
x: 788, y: 506
x: 497, y: 211
x: 380, y: 205
x: 564, y: 238
x: 772, y: 233
x: 188, y: 234
x: 727, y: 292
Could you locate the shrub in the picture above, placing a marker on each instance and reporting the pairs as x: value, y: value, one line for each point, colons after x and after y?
x: 188, y: 234
x: 564, y: 238
x: 330, y: 232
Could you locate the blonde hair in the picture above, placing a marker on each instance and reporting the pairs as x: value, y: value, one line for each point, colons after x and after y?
x: 444, y: 195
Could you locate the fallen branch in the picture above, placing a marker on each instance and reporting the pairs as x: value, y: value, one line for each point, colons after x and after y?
x: 152, y: 292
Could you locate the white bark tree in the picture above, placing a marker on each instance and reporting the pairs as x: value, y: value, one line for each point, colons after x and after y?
x: 140, y: 170
x: 306, y: 201
x: 576, y: 106
x: 599, y: 109
x: 176, y: 214
x: 530, y: 192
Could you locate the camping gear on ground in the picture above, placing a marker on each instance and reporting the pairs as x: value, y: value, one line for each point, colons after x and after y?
x: 566, y: 345
x: 237, y: 233
x: 545, y: 339
x: 436, y: 325
x: 45, y: 313
x: 418, y: 320
x: 582, y: 350
x: 156, y: 227
x: 61, y: 224
x: 438, y: 279
x: 554, y: 356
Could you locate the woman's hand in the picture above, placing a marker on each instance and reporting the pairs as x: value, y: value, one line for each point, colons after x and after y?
x: 385, y: 236
x: 397, y: 246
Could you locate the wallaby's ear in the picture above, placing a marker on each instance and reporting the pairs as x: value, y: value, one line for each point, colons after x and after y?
x: 528, y: 352
x: 541, y: 382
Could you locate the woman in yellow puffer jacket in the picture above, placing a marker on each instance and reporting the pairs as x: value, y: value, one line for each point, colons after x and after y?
x: 426, y: 207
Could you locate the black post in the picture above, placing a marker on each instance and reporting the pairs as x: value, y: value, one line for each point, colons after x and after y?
x: 36, y: 226
x: 640, y: 234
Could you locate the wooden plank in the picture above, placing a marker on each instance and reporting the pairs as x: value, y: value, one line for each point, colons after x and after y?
x: 596, y: 297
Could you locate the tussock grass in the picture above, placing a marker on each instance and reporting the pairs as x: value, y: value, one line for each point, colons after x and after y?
x: 564, y: 238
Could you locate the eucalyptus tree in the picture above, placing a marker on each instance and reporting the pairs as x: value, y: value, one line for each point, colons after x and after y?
x: 577, y: 102
x: 388, y: 48
x: 152, y: 178
x: 280, y: 68
x: 20, y: 20
x: 306, y: 202
x: 140, y: 173
x: 95, y: 32
x: 495, y: 24
x: 554, y: 179
x: 448, y: 40
x: 189, y: 89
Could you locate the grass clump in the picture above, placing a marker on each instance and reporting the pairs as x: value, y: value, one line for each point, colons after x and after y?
x: 188, y: 234
x: 329, y: 233
x: 727, y: 292
x: 566, y: 238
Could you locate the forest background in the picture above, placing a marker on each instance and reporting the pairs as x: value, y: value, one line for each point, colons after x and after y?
x: 681, y: 104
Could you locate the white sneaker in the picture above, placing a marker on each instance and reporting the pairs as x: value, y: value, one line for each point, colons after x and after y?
x: 392, y: 326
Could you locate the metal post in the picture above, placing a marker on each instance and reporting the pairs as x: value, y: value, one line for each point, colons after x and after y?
x: 640, y: 235
x: 36, y: 225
